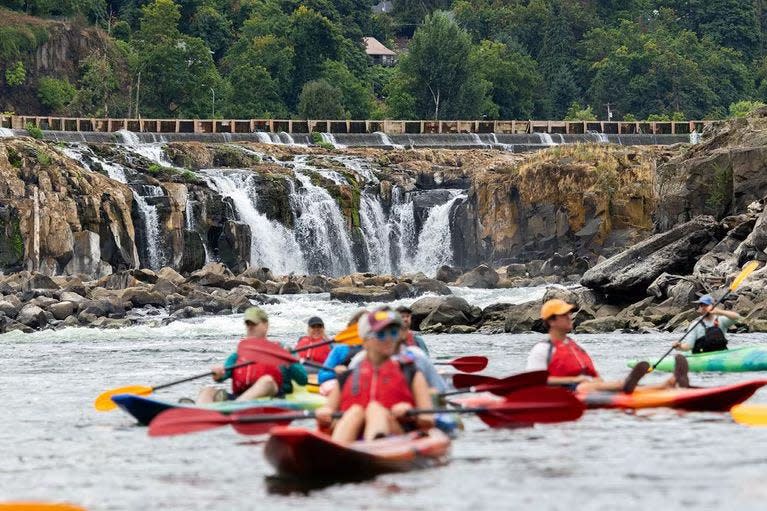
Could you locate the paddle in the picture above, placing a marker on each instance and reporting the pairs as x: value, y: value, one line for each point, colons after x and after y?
x: 498, y: 386
x: 270, y: 353
x: 526, y: 406
x: 39, y: 506
x: 745, y: 272
x: 104, y: 403
x: 470, y: 364
x: 750, y: 414
x: 349, y: 336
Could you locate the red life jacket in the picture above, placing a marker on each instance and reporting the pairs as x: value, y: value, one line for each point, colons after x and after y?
x: 566, y: 358
x: 410, y: 339
x: 318, y: 354
x: 388, y: 385
x: 244, y: 377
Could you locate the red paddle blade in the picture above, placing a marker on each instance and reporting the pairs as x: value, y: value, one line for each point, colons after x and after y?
x: 180, y: 421
x: 268, y: 353
x: 511, y: 383
x: 533, y: 404
x: 470, y: 364
x: 250, y: 423
x: 464, y: 380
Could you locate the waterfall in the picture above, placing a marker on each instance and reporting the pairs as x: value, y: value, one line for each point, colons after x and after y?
x: 403, y: 239
x: 321, y: 229
x: 6, y: 133
x: 152, y: 225
x: 695, y: 137
x: 435, y: 241
x: 505, y: 147
x: 272, y: 244
x: 189, y: 215
x: 546, y: 139
x: 151, y: 151
x: 360, y: 167
x: 600, y: 138
x: 386, y: 141
x: 300, y: 164
x: 375, y: 229
x: 328, y: 138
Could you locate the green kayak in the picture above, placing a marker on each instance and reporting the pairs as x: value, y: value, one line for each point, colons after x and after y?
x: 748, y: 358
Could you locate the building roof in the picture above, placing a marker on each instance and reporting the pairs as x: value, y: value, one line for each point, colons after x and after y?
x: 374, y: 47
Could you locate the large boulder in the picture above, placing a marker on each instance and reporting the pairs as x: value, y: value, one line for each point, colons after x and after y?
x: 171, y: 275
x: 86, y: 255
x: 234, y: 245
x: 141, y: 296
x: 447, y: 274
x: 426, y: 285
x: 39, y: 281
x: 422, y: 308
x: 452, y: 311
x: 480, y: 277
x: 62, y: 310
x: 362, y: 294
x: 193, y: 256
x: 32, y: 316
x: 628, y: 274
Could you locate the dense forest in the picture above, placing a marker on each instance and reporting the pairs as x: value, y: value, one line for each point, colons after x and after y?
x: 495, y: 59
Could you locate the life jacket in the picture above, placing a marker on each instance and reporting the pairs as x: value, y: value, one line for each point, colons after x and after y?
x: 569, y: 359
x: 388, y: 384
x: 410, y: 339
x: 712, y: 340
x: 244, y: 377
x: 317, y: 354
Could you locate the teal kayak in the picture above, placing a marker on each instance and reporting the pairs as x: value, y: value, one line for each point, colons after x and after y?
x: 748, y: 358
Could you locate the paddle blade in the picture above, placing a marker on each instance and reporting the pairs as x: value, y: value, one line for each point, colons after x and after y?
x: 747, y: 270
x: 104, y: 403
x: 533, y: 405
x: 464, y: 381
x: 750, y: 414
x: 470, y: 364
x: 349, y: 336
x: 248, y: 422
x: 268, y: 353
x: 39, y: 506
x: 518, y: 381
x: 179, y: 421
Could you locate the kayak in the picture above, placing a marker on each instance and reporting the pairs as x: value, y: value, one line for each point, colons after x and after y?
x: 711, y: 399
x: 144, y: 409
x: 301, y: 453
x: 748, y: 358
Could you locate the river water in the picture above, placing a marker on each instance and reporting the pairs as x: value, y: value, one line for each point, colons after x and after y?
x: 55, y: 446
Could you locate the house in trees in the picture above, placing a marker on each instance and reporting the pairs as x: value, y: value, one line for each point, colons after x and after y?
x: 379, y: 54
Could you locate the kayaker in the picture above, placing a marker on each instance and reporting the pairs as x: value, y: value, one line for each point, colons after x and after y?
x: 315, y: 334
x: 408, y: 336
x: 376, y: 395
x: 709, y: 334
x: 255, y: 380
x: 338, y: 358
x: 570, y: 366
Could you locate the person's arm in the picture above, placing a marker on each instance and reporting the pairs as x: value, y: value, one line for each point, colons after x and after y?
x: 422, y: 399
x: 726, y: 318
x: 563, y: 380
x: 227, y: 373
x: 324, y: 413
x: 421, y: 344
x: 337, y: 354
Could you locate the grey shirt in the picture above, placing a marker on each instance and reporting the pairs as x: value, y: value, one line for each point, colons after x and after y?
x: 700, y: 328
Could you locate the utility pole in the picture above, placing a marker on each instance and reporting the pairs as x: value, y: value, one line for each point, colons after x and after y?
x: 609, y: 113
x: 138, y: 91
x: 213, y: 110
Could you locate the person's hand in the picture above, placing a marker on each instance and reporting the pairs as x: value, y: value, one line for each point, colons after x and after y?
x: 341, y: 369
x: 399, y: 410
x: 218, y: 372
x: 677, y: 345
x: 324, y: 416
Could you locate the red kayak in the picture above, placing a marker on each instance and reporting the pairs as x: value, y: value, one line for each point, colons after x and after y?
x: 306, y: 454
x: 709, y: 399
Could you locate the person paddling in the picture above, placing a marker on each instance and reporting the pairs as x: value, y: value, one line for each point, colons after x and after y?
x: 408, y: 336
x: 375, y: 396
x: 256, y: 380
x: 315, y: 334
x: 570, y: 366
x: 338, y: 359
x: 710, y: 333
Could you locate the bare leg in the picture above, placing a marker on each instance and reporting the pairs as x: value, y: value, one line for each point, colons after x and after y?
x: 379, y: 422
x: 206, y: 395
x: 264, y: 387
x: 348, y: 427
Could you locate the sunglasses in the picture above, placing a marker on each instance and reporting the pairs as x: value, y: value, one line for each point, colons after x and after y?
x: 388, y: 332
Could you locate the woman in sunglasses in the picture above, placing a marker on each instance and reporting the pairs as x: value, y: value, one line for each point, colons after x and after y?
x: 376, y: 395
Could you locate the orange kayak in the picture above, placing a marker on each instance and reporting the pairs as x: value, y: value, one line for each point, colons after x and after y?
x: 307, y: 454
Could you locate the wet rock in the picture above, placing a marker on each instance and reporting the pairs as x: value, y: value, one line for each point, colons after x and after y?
x: 447, y: 274
x: 188, y: 312
x: 193, y: 253
x: 62, y: 310
x: 524, y: 317
x: 171, y: 275
x: 629, y: 273
x: 480, y: 277
x: 290, y: 288
x: 165, y: 287
x: 422, y: 308
x: 144, y: 275
x: 234, y: 245
x: 43, y: 301
x: 140, y: 296
x: 39, y: 281
x: 319, y: 281
x: 602, y: 325
x: 362, y: 294
x: 110, y: 323
x: 452, y: 311
x: 86, y: 255
x: 86, y: 318
x: 9, y: 309
x: 516, y: 270
x: 461, y: 329
x: 426, y: 285
x: 32, y: 316
x: 404, y: 290
x: 265, y: 274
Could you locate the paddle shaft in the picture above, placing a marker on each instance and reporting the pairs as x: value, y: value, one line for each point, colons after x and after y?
x: 694, y: 325
x: 202, y: 375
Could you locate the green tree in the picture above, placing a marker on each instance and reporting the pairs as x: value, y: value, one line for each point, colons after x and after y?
x: 744, y: 108
x: 357, y: 95
x: 159, y: 22
x: 320, y: 100
x: 15, y: 74
x: 410, y: 13
x: 576, y: 112
x: 556, y: 61
x: 439, y: 73
x: 214, y: 28
x: 257, y: 93
x: 55, y: 94
x: 98, y: 86
x: 314, y: 39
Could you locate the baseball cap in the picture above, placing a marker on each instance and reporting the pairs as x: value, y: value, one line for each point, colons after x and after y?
x: 316, y: 321
x: 705, y: 300
x: 256, y: 315
x: 555, y: 307
x: 377, y: 321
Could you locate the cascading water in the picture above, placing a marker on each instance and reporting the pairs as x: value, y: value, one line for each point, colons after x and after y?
x: 375, y: 229
x: 435, y: 241
x: 403, y: 239
x: 6, y: 133
x: 694, y: 137
x: 272, y: 244
x: 321, y: 229
x: 505, y: 147
x: 386, y: 141
x: 152, y: 151
x: 328, y: 138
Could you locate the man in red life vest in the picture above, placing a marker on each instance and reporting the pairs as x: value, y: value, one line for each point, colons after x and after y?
x: 255, y: 380
x: 408, y: 336
x: 376, y: 395
x: 570, y: 366
x: 315, y: 334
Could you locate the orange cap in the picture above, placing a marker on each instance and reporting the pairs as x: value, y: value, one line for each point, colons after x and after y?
x: 555, y: 307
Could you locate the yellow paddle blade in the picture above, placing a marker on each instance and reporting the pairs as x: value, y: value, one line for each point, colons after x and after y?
x: 750, y: 415
x: 747, y: 270
x: 349, y: 336
x: 38, y: 506
x: 104, y: 402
